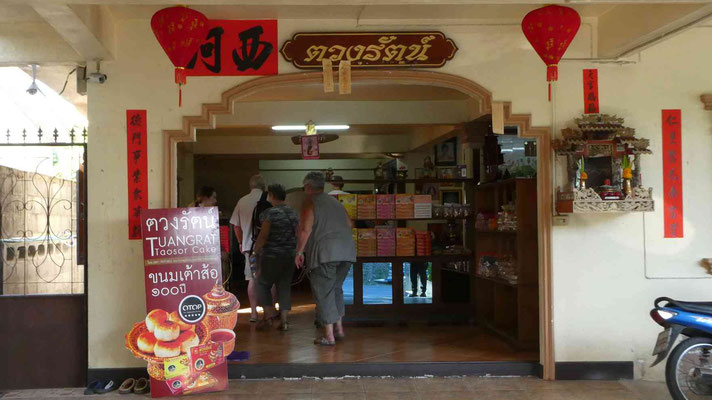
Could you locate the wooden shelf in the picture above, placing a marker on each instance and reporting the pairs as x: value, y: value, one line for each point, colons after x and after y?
x: 421, y: 180
x: 496, y: 280
x: 439, y: 257
x: 410, y: 219
x: 496, y: 232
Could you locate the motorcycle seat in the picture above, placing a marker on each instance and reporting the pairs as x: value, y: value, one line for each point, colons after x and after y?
x: 701, y: 307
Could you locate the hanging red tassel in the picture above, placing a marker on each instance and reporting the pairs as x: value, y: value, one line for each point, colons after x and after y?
x: 552, y: 72
x: 180, y: 78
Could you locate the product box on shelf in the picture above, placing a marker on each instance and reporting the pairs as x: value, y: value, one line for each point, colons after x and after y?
x: 404, y: 206
x: 422, y: 206
x: 349, y: 202
x: 366, y: 206
x: 367, y: 245
x: 423, y: 243
x: 386, y: 241
x: 405, y: 242
x: 385, y: 206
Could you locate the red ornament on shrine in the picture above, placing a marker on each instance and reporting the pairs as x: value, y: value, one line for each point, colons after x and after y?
x: 180, y: 31
x: 550, y: 31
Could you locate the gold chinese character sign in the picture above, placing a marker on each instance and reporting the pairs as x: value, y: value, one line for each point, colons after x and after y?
x: 370, y: 49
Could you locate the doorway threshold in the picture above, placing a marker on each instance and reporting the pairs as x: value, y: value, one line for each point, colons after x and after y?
x: 238, y: 370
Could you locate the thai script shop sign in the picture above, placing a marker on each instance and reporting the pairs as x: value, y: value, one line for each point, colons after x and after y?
x: 187, y: 330
x: 370, y: 49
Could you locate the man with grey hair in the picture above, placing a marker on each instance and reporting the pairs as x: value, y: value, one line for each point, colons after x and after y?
x: 324, y: 239
x: 241, y: 221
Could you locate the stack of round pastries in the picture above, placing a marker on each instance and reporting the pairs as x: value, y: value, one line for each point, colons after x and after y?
x: 167, y: 336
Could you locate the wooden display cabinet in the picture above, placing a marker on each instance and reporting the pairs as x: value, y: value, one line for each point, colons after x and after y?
x: 509, y: 309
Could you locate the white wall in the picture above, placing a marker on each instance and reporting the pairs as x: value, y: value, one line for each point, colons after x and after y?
x: 601, y: 292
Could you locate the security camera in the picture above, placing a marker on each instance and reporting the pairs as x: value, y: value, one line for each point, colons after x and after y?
x: 33, y: 89
x: 97, y: 77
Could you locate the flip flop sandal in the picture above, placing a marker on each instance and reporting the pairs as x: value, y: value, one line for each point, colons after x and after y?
x: 253, y: 319
x: 92, y: 387
x: 339, y: 337
x: 108, y: 387
x: 264, y: 324
x: 284, y: 326
x: 141, y: 386
x: 322, y: 341
x: 127, y: 386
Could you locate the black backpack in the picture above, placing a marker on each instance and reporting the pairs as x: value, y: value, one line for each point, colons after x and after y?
x: 262, y: 204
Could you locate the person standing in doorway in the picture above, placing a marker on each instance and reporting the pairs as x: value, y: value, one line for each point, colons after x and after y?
x: 337, y: 182
x: 418, y: 268
x: 324, y: 240
x: 275, y: 248
x: 241, y: 221
x: 206, y: 197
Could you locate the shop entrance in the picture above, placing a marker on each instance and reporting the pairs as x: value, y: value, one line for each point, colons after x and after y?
x: 43, y: 259
x: 463, y: 318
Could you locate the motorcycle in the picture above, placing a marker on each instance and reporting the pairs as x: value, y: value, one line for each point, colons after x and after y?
x: 688, y: 371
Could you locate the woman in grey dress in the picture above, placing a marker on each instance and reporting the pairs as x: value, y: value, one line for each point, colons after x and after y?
x: 325, y: 242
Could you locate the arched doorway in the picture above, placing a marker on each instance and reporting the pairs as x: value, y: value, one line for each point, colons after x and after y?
x: 296, y: 86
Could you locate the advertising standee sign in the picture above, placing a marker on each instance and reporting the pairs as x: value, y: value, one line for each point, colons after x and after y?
x: 188, y: 329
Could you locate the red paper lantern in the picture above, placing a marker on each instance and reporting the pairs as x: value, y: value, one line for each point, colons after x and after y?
x: 550, y: 31
x: 180, y: 31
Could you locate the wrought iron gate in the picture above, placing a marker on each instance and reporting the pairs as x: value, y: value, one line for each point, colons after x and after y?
x: 43, y: 214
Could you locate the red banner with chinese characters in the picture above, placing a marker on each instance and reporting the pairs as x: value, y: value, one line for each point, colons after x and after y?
x: 137, y: 164
x: 590, y: 91
x: 237, y: 47
x: 672, y: 173
x: 187, y: 332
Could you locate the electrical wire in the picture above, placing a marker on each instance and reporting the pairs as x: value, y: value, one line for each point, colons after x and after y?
x: 66, y: 80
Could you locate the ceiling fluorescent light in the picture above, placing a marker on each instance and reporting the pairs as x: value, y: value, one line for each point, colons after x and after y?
x: 289, y: 127
x: 303, y: 127
x: 332, y: 127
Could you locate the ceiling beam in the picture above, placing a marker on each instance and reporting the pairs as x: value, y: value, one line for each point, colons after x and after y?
x: 630, y: 28
x: 73, y: 30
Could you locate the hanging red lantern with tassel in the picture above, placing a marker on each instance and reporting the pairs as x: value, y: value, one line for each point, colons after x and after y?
x: 180, y: 31
x: 550, y: 30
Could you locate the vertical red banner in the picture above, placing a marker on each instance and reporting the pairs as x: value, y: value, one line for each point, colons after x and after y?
x: 590, y: 91
x: 137, y: 169
x: 672, y: 173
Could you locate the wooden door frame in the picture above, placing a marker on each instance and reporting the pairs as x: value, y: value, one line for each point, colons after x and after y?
x: 482, y: 105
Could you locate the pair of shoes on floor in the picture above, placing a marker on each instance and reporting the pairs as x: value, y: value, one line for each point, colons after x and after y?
x: 100, y: 387
x: 138, y: 386
x: 413, y: 294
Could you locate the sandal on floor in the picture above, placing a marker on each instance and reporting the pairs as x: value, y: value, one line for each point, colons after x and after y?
x: 284, y: 326
x: 127, y: 386
x: 339, y: 337
x: 142, y: 386
x: 253, y: 319
x: 322, y: 341
x: 264, y: 324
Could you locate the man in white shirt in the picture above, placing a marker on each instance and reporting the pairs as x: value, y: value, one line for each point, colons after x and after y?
x: 337, y: 183
x: 241, y: 221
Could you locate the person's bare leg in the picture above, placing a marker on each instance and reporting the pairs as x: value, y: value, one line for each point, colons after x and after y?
x: 329, y: 332
x: 338, y: 329
x: 252, y: 296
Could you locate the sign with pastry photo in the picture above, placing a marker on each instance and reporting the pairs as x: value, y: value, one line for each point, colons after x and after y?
x: 188, y: 328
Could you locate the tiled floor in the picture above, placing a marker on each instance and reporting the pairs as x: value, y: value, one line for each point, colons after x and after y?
x: 455, y: 388
x: 388, y: 343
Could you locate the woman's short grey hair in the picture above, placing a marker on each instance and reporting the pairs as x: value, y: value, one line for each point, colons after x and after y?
x: 315, y: 179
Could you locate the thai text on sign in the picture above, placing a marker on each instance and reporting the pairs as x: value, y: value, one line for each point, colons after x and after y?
x: 237, y: 47
x: 137, y: 168
x: 672, y: 173
x: 370, y: 49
